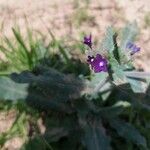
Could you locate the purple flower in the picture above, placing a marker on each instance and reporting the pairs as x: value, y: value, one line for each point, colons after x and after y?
x: 98, y: 64
x: 134, y: 49
x: 88, y: 41
x: 129, y: 45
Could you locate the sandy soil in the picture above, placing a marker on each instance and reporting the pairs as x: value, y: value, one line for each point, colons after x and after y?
x: 60, y: 16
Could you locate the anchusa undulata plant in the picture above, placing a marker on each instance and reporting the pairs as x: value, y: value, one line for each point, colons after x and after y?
x: 106, y: 108
x: 115, y: 59
x: 99, y: 63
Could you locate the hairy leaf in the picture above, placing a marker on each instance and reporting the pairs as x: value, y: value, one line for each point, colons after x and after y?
x: 95, y: 137
x: 137, y: 85
x: 113, y: 111
x: 118, y: 74
x: 136, y: 74
x: 128, y: 34
x: 99, y: 84
x: 108, y: 41
x: 52, y: 83
x: 10, y: 90
x: 128, y: 132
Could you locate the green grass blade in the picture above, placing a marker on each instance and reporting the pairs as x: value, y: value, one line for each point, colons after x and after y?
x: 21, y: 42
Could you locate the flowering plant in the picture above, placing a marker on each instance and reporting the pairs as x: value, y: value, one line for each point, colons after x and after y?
x: 105, y: 109
x: 112, y: 62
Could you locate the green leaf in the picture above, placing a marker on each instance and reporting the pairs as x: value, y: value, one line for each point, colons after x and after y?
x: 95, y: 137
x: 83, y: 107
x: 20, y: 40
x: 114, y: 110
x: 128, y: 34
x: 118, y: 74
x: 10, y: 90
x: 52, y: 83
x: 108, y: 41
x: 65, y: 54
x: 37, y: 143
x: 50, y: 89
x: 58, y: 128
x: 40, y: 51
x: 128, y: 132
x: 99, y: 84
x: 137, y: 85
x: 137, y: 74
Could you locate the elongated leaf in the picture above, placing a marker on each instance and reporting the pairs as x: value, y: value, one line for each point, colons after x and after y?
x: 20, y: 40
x: 128, y: 34
x: 40, y: 51
x: 118, y: 73
x: 36, y: 143
x: 138, y: 85
x: 99, y: 84
x: 52, y: 83
x: 113, y: 111
x: 128, y: 132
x: 64, y: 54
x: 45, y: 102
x: 95, y: 137
x: 58, y: 128
x: 55, y: 134
x: 48, y: 91
x: 108, y: 42
x: 136, y: 74
x: 10, y: 90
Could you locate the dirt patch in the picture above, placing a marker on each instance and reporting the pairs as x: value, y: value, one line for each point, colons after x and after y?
x: 64, y: 18
x: 6, y: 120
x: 13, y: 144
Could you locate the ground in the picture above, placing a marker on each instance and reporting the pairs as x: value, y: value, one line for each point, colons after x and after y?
x: 69, y: 18
x: 65, y: 19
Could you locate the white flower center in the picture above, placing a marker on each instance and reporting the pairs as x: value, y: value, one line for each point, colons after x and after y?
x: 101, y: 64
x: 92, y: 59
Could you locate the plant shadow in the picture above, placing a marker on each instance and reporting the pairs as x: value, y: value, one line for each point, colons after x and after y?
x: 51, y: 92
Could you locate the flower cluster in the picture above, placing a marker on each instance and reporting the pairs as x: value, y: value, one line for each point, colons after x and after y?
x: 97, y: 63
x: 100, y: 64
x: 134, y: 49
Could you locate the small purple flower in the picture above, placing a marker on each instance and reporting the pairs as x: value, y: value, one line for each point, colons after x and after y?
x: 129, y: 45
x: 134, y: 49
x: 98, y: 64
x: 88, y: 41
